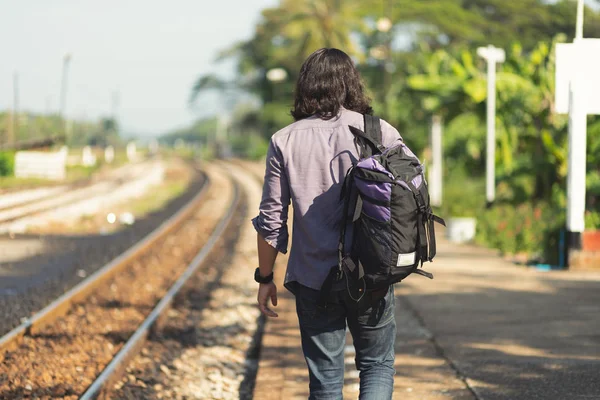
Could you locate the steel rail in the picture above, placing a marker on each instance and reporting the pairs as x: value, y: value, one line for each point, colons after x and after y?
x: 62, y: 304
x: 101, y: 386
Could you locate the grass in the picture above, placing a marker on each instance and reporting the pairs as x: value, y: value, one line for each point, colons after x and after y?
x: 157, y: 197
x: 74, y: 173
x: 11, y: 182
x: 176, y: 181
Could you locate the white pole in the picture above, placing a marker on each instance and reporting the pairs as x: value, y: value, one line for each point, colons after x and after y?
x: 435, y: 173
x: 579, y: 26
x: 577, y: 150
x: 490, y: 190
x: 577, y: 162
x: 576, y: 173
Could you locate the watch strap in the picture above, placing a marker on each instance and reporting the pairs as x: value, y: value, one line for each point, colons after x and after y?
x: 262, y: 279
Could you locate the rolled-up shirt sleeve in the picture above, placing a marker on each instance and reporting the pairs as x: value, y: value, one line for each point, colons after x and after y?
x: 271, y: 222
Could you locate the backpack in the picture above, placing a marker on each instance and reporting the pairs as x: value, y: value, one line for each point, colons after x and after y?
x: 393, y: 224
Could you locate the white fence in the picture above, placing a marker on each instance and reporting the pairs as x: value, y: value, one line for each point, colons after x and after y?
x: 37, y: 164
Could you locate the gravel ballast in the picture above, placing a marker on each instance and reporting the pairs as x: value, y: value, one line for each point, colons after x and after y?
x: 63, y: 359
x: 208, y: 347
x: 59, y: 262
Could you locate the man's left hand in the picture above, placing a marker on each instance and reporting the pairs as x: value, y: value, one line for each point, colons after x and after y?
x: 266, y: 291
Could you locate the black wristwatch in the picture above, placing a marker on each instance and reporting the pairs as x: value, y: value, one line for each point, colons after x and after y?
x: 260, y: 279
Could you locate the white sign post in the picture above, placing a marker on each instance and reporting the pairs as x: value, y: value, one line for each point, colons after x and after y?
x: 578, y: 93
x: 493, y: 56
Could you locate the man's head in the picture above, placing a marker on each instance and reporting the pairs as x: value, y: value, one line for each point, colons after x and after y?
x: 328, y: 81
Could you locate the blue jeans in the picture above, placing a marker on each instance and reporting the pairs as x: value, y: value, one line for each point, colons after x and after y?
x: 323, y: 333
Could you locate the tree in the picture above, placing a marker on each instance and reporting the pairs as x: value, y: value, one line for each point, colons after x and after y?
x: 284, y: 37
x: 532, y: 138
x: 288, y: 33
x: 497, y: 22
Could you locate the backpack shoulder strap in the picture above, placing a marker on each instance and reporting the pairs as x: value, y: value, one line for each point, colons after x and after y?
x: 373, y: 129
x: 371, y: 139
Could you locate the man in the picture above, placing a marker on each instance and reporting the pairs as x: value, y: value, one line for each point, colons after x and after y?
x: 306, y: 165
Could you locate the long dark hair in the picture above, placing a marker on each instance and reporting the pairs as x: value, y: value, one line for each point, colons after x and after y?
x: 329, y: 80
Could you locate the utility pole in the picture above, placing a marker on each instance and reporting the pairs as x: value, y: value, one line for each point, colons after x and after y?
x: 10, y: 125
x: 114, y: 104
x: 493, y: 56
x: 63, y: 91
x: 15, y: 118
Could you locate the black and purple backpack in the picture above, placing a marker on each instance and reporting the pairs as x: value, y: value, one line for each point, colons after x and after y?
x: 392, y: 221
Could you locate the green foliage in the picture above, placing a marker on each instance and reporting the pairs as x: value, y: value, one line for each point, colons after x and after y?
x: 531, y: 228
x: 202, y: 131
x: 426, y: 65
x: 253, y: 147
x: 531, y: 138
x: 531, y: 158
x: 463, y: 195
x: 592, y: 220
x: 498, y: 22
x: 32, y: 126
x: 7, y: 163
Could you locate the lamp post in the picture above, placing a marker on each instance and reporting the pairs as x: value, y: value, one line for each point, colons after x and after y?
x: 384, y: 53
x: 276, y: 75
x: 492, y: 55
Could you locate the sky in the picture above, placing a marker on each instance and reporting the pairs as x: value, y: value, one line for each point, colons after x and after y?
x: 138, y: 57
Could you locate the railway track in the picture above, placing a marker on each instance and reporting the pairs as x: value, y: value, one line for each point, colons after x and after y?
x: 208, y: 347
x: 18, y: 206
x: 78, y: 345
x: 19, y: 198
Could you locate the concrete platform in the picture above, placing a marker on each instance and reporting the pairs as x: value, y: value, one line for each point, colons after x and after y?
x: 482, y: 329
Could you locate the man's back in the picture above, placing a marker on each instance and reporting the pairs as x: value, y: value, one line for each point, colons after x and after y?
x: 312, y: 156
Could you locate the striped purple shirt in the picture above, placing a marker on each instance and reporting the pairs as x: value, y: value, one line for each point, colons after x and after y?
x: 306, y: 165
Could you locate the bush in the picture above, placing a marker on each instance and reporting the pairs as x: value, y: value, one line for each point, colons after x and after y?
x: 531, y: 228
x: 7, y: 163
x: 511, y: 226
x: 592, y: 219
x: 463, y: 195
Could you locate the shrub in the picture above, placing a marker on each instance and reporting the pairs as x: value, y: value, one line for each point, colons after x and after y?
x: 463, y: 196
x: 249, y: 146
x: 531, y: 228
x: 7, y: 163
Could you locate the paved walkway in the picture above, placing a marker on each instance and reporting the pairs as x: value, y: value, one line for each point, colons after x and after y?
x: 482, y: 329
